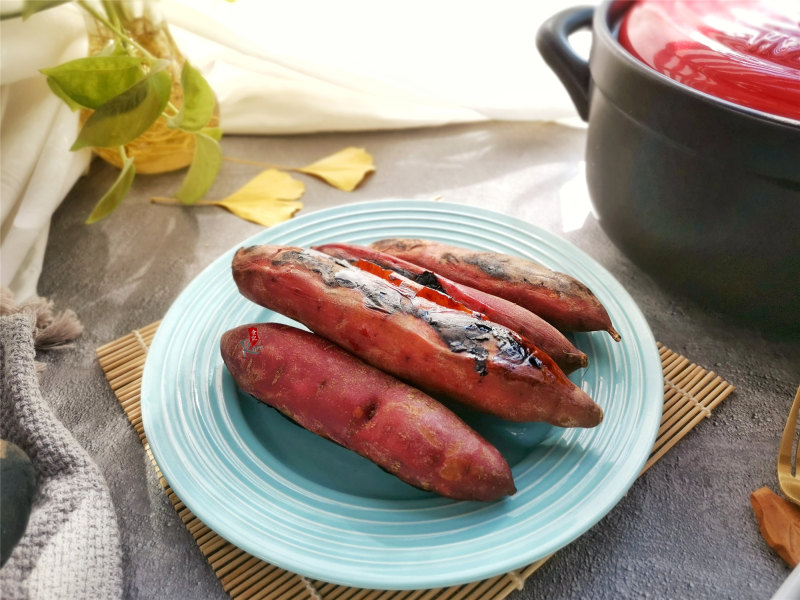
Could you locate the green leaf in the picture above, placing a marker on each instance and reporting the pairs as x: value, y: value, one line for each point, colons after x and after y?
x: 56, y: 89
x: 113, y: 48
x: 114, y: 196
x: 198, y: 101
x: 31, y: 7
x: 127, y: 116
x: 212, y: 132
x: 203, y: 170
x: 93, y: 81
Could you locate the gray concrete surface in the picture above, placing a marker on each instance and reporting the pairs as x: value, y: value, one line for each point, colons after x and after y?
x: 685, y: 529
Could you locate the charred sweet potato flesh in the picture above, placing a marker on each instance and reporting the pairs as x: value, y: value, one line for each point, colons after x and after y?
x: 415, y: 333
x: 556, y: 297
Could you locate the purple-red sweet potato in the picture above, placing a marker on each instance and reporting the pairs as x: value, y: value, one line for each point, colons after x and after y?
x: 337, y: 396
x: 558, y: 298
x: 416, y: 334
x: 531, y: 327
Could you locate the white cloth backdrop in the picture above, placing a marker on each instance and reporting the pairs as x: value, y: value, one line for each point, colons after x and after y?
x: 277, y: 67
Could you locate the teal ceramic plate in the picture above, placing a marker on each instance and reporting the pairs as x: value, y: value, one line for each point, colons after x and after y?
x: 309, y: 506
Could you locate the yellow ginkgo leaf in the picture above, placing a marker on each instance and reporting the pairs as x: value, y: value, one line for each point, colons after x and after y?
x: 264, y: 210
x: 344, y: 170
x: 269, y: 184
x: 271, y: 197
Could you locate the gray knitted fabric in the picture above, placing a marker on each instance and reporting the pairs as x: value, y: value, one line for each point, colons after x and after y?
x: 71, y: 546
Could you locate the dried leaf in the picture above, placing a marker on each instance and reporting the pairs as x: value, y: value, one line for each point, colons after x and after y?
x: 779, y: 523
x: 271, y: 183
x: 344, y: 170
x: 264, y: 211
x: 271, y: 197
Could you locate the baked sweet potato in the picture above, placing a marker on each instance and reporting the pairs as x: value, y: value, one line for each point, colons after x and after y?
x: 337, y: 396
x: 558, y: 298
x: 531, y: 327
x: 415, y: 333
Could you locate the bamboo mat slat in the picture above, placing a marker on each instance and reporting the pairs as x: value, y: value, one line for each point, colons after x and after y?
x: 690, y: 395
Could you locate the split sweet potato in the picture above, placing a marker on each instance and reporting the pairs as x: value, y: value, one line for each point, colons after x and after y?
x: 531, y: 327
x: 558, y: 298
x: 337, y: 396
x: 415, y: 333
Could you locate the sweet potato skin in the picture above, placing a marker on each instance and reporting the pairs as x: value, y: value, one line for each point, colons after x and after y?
x: 530, y: 326
x: 337, y: 396
x: 443, y: 351
x: 558, y: 298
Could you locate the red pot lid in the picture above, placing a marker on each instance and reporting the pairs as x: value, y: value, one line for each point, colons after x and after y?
x: 743, y: 51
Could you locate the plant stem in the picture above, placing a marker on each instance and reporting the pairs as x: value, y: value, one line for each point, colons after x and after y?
x: 11, y: 15
x: 111, y: 13
x: 256, y: 163
x: 176, y: 202
x: 115, y: 29
x: 172, y: 107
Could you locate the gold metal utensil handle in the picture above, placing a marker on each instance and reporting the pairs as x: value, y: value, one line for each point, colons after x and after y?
x: 788, y: 481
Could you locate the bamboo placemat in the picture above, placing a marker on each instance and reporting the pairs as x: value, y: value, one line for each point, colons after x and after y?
x: 690, y: 394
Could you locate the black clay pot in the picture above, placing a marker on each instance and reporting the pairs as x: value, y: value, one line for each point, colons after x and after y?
x: 701, y: 193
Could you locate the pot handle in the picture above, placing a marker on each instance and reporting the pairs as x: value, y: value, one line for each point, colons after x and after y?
x: 553, y: 44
